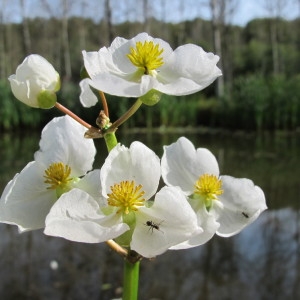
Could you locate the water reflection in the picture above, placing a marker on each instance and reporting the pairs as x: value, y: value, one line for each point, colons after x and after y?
x: 262, y: 262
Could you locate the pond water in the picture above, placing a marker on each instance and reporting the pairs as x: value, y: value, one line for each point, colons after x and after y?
x: 262, y: 262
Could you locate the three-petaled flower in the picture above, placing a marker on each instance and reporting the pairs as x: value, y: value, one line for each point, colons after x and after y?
x: 134, y: 67
x: 129, y: 179
x: 224, y: 205
x: 64, y: 156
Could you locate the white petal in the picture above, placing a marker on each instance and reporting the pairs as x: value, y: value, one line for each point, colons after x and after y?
x: 76, y: 216
x: 90, y: 183
x: 208, y: 223
x: 26, y: 201
x: 37, y: 67
x: 175, y: 220
x: 63, y: 141
x: 21, y: 92
x: 87, y: 97
x: 182, y: 164
x: 243, y: 202
x: 177, y: 86
x: 94, y: 62
x: 112, y: 84
x: 137, y: 163
x: 192, y: 62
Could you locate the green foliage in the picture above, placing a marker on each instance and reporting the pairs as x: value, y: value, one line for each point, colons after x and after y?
x: 259, y: 102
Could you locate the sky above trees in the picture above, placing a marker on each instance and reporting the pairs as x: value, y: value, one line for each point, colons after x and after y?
x: 132, y: 10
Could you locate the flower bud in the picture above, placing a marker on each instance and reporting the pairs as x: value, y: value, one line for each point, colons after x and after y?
x: 35, y: 82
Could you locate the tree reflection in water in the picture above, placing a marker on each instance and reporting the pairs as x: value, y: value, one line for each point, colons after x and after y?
x: 262, y: 262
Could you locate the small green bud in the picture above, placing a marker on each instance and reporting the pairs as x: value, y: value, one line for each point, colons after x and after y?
x: 46, y: 99
x: 151, y: 98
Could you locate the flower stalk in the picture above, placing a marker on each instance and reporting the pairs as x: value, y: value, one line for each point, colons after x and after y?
x: 125, y: 117
x: 130, y: 280
x: 116, y: 247
x: 72, y: 115
x: 104, y: 103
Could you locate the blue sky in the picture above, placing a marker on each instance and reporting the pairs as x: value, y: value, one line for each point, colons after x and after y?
x: 245, y: 10
x: 174, y: 10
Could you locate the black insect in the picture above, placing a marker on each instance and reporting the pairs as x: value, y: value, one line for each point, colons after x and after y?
x: 245, y: 215
x: 153, y: 225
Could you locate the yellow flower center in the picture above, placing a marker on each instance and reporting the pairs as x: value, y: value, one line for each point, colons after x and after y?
x: 58, y: 176
x: 208, y: 187
x: 127, y: 196
x: 147, y: 56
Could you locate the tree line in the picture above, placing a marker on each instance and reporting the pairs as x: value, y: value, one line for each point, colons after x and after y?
x: 259, y: 89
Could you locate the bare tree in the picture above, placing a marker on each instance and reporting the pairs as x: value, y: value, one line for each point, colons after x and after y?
x: 146, y: 13
x: 25, y: 28
x: 62, y: 42
x: 108, y: 22
x: 65, y: 40
x: 275, y: 9
x: 2, y: 42
x: 217, y: 8
x: 221, y: 14
x: 82, y: 27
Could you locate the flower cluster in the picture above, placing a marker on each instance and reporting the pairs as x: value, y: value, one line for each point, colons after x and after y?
x: 60, y: 192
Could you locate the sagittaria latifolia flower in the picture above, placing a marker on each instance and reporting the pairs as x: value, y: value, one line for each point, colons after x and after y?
x: 224, y: 205
x: 35, y: 82
x: 64, y: 156
x: 132, y: 68
x: 129, y: 179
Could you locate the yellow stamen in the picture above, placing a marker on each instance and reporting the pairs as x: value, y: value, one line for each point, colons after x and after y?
x: 147, y: 56
x: 57, y: 176
x: 208, y: 187
x: 126, y: 196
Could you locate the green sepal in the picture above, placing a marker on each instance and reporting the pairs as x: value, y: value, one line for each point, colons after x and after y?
x: 46, y: 99
x: 125, y: 239
x: 151, y: 98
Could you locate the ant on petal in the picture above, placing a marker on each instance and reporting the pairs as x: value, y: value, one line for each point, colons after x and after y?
x: 152, y: 225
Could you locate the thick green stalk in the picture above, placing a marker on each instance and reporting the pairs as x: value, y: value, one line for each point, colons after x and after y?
x: 110, y: 140
x: 130, y: 280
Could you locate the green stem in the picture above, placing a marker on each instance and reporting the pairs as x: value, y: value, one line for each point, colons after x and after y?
x: 126, y: 116
x: 131, y: 280
x: 110, y: 140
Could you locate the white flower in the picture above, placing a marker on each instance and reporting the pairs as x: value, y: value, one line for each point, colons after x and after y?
x: 64, y: 156
x: 133, y: 67
x: 224, y: 205
x: 129, y: 178
x: 35, y: 82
